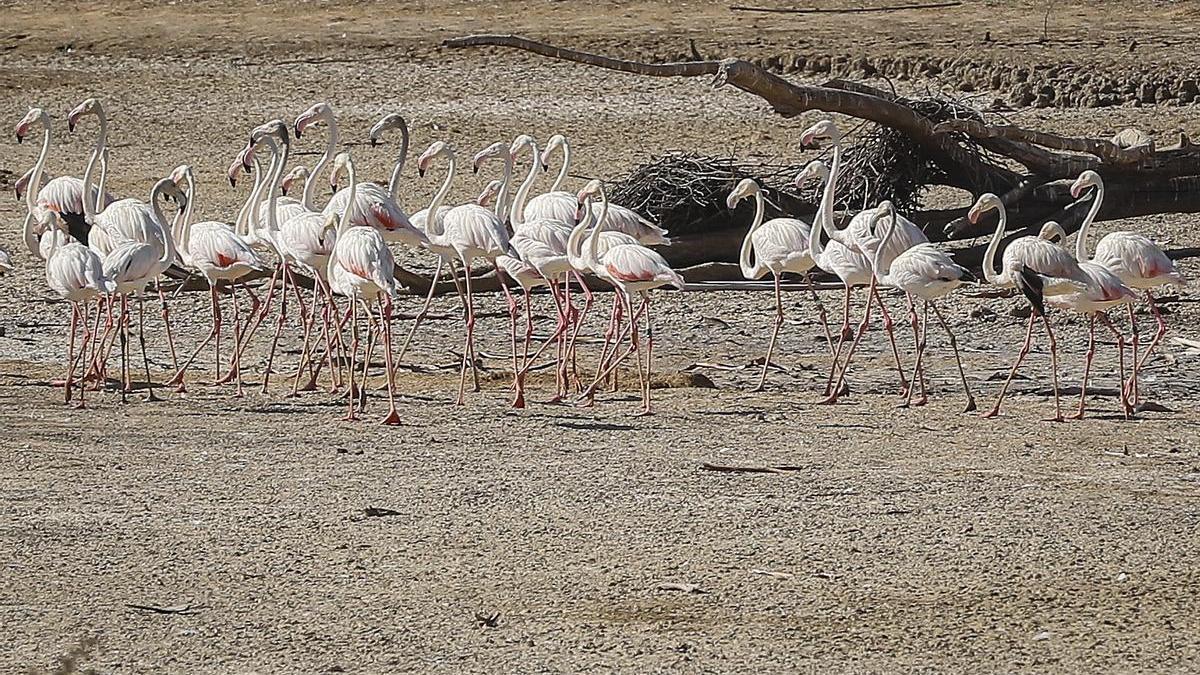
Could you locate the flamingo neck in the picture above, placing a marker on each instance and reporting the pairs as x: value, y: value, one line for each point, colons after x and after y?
x: 517, y: 214
x: 752, y: 270
x: 575, y: 241
x: 31, y: 240
x: 168, y: 255
x: 601, y: 223
x: 1081, y: 247
x: 348, y: 214
x: 185, y: 230
x: 502, y: 195
x: 332, y: 139
x: 394, y: 182
x: 276, y: 176
x: 989, y: 257
x: 831, y: 188
x: 814, y: 236
x: 882, y: 266
x: 433, y: 225
x: 562, y: 170
x: 35, y: 181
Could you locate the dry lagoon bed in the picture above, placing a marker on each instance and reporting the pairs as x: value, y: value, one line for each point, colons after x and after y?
x: 271, y: 536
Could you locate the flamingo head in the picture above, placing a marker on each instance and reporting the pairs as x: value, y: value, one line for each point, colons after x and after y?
x: 436, y: 149
x: 275, y: 127
x: 90, y: 106
x: 299, y: 173
x: 1086, y: 180
x: 180, y: 173
x: 22, y: 184
x: 235, y: 168
x: 825, y: 130
x: 319, y: 112
x: 489, y: 193
x: 986, y: 202
x: 388, y: 121
x: 1052, y: 231
x: 526, y: 141
x: 814, y: 170
x: 744, y: 189
x: 490, y: 152
x: 27, y: 121
x: 170, y: 191
x: 556, y: 141
x: 593, y: 189
x: 341, y: 164
x: 886, y: 209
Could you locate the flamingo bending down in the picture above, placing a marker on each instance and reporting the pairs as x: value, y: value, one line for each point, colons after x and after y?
x: 929, y: 273
x: 1028, y: 261
x: 215, y: 250
x: 1104, y: 291
x: 858, y: 237
x: 1137, y: 261
x: 777, y: 246
x: 361, y: 267
x: 473, y: 232
x: 76, y: 273
x: 631, y: 268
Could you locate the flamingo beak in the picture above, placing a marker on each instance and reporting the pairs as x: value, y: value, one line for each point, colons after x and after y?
x: 973, y: 215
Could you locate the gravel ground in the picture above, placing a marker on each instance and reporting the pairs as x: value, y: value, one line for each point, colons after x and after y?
x: 562, y: 538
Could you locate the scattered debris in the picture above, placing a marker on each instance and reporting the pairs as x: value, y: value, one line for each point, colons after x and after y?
x: 681, y: 587
x: 178, y: 609
x: 487, y: 620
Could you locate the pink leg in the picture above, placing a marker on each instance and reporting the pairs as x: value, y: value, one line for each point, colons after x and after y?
x: 774, y: 336
x: 350, y: 416
x: 142, y: 341
x: 166, y: 317
x: 518, y: 391
x: 71, y: 353
x: 1087, y: 365
x: 1012, y: 373
x: 385, y: 310
x: 468, y: 342
x: 836, y: 390
x: 279, y: 323
x: 837, y: 353
x: 957, y: 358
x: 887, y: 325
x: 216, y: 322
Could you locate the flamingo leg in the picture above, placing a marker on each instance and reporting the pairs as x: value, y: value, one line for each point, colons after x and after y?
x: 83, y: 355
x: 649, y: 355
x: 762, y: 379
x: 1158, y: 336
x: 424, y: 311
x: 385, y: 310
x: 820, y: 311
x: 123, y: 330
x: 353, y: 394
x: 93, y: 369
x: 1087, y: 365
x: 887, y: 325
x: 1102, y: 317
x: 610, y: 332
x: 837, y: 353
x: 957, y: 358
x: 589, y: 393
x: 264, y: 308
x: 919, y: 342
x: 166, y: 317
x: 142, y: 341
x: 235, y: 361
x: 373, y: 330
x: 279, y: 323
x: 1012, y: 373
x: 307, y: 348
x: 528, y: 327
x: 836, y: 390
x: 71, y: 353
x: 468, y: 343
x: 216, y: 321
x: 518, y: 391
x: 1058, y: 417
x: 1129, y: 390
x: 587, y: 306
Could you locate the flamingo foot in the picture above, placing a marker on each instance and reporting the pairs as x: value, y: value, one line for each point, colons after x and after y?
x: 392, y: 419
x: 991, y: 413
x: 971, y: 407
x: 921, y: 401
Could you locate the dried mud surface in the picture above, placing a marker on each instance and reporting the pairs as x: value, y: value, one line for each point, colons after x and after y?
x: 889, y: 540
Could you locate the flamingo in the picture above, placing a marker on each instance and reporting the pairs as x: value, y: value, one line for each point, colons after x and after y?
x: 858, y: 237
x: 778, y: 246
x: 133, y: 264
x: 1137, y: 261
x: 76, y: 273
x: 361, y: 267
x: 6, y: 263
x: 852, y: 269
x: 473, y: 232
x: 63, y: 194
x: 1104, y: 291
x: 376, y: 206
x: 305, y: 240
x: 1028, y: 261
x: 631, y: 268
x: 216, y: 251
x: 528, y: 278
x: 926, y: 272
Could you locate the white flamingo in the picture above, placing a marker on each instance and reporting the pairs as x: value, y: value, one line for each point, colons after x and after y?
x: 133, y: 264
x: 216, y: 251
x: 473, y: 232
x: 858, y: 237
x: 1137, y: 261
x: 1103, y: 292
x: 632, y: 269
x: 555, y: 204
x: 1028, y: 261
x: 926, y: 272
x: 776, y: 246
x: 361, y: 267
x: 76, y: 274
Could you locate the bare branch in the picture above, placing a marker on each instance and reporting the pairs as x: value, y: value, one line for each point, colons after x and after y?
x: 1107, y: 151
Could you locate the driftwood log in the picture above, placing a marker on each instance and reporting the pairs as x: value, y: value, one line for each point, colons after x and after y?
x: 1031, y: 170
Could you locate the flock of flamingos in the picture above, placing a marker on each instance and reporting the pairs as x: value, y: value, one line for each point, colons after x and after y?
x: 99, y: 251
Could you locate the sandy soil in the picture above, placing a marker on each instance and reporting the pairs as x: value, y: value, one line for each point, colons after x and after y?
x: 889, y: 540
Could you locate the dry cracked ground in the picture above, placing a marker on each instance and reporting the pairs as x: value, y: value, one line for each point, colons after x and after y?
x: 208, y: 533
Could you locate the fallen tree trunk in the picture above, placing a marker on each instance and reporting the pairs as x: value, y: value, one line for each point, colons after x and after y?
x: 1141, y: 179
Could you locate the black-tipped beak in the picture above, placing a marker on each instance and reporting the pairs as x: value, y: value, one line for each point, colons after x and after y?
x: 333, y: 189
x: 420, y: 173
x: 475, y: 169
x: 283, y: 190
x: 232, y: 181
x: 374, y: 142
x: 20, y: 138
x: 71, y: 127
x: 545, y: 167
x: 296, y: 130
